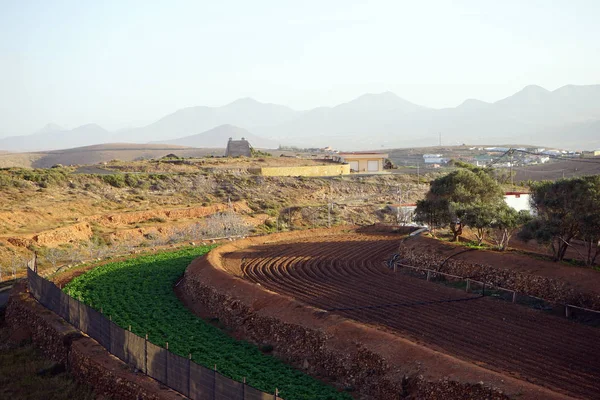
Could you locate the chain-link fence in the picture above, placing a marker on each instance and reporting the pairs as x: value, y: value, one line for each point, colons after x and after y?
x: 579, y: 314
x: 179, y: 373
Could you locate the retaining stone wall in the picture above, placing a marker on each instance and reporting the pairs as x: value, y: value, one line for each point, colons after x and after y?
x: 534, y: 285
x: 87, y: 361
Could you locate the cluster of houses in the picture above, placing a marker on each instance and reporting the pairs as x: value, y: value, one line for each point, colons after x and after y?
x: 370, y: 162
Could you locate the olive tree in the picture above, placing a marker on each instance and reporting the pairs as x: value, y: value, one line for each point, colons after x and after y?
x: 506, y: 223
x: 450, y: 195
x: 479, y: 217
x: 566, y: 209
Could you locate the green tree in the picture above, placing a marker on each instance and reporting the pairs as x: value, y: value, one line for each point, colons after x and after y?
x: 479, y: 217
x: 589, y: 217
x: 450, y: 195
x: 434, y: 213
x: 566, y: 209
x: 506, y: 222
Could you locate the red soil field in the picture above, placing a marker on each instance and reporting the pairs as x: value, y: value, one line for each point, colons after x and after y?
x: 346, y: 274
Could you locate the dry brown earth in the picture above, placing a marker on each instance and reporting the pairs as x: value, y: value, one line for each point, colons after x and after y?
x: 344, y: 274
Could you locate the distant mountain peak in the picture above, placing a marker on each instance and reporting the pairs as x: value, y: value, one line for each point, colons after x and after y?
x: 51, y: 127
x: 534, y: 89
x: 228, y: 128
x: 528, y: 95
x: 382, y: 101
x: 217, y: 137
x: 90, y: 126
x: 244, y: 101
x: 473, y: 103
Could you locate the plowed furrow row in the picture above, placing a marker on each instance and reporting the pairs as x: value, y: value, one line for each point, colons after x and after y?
x: 348, y: 273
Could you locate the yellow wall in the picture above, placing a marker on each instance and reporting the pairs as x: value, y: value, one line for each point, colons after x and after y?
x: 596, y: 152
x: 316, y: 170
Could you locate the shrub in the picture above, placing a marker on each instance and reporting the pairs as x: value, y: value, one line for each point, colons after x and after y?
x: 114, y: 180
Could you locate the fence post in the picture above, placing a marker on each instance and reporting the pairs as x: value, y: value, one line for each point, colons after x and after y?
x: 127, y: 349
x: 468, y: 288
x: 567, y: 311
x: 146, y: 355
x: 79, y: 314
x: 215, y: 383
x: 189, y: 385
x: 244, y: 389
x: 167, y: 364
x: 428, y: 275
x: 514, y: 299
x: 110, y: 345
x: 276, y: 396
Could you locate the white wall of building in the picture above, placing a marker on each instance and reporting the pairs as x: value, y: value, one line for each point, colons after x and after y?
x: 519, y: 202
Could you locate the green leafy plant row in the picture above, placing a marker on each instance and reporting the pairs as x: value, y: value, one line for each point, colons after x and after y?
x: 139, y: 293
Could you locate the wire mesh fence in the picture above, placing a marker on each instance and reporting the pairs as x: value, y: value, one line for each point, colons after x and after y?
x: 179, y: 373
x: 578, y: 314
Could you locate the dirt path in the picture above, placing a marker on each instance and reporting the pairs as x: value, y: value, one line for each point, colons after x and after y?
x: 346, y: 275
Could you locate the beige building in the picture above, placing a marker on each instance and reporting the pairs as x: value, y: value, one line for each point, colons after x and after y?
x: 362, y: 161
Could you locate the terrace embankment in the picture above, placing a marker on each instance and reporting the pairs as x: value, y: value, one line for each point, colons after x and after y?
x: 373, y: 360
x: 86, y: 360
x: 513, y: 270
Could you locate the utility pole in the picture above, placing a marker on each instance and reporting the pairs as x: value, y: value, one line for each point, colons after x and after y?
x: 440, y: 139
x: 329, y: 205
x: 512, y: 181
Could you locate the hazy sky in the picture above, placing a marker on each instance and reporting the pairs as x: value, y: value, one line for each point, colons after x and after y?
x: 120, y: 63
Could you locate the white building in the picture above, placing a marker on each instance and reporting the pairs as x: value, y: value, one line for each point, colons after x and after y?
x: 433, y: 159
x: 518, y: 200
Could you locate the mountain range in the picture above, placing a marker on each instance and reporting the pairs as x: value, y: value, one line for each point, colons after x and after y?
x: 568, y: 117
x: 218, y: 137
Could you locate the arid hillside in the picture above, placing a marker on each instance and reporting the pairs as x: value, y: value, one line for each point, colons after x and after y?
x: 67, y: 214
x: 100, y: 154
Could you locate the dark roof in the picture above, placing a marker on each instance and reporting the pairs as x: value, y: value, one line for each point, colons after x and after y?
x: 238, y: 148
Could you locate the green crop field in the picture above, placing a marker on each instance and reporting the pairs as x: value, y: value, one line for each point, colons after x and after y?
x: 139, y: 292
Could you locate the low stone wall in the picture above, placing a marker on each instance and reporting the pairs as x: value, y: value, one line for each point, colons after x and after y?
x: 343, y: 352
x: 525, y: 283
x: 84, y: 357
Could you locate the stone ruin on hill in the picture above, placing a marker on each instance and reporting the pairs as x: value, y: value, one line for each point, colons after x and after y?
x: 238, y: 148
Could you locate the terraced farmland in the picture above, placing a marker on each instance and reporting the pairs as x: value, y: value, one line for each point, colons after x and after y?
x: 346, y: 274
x: 138, y: 292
